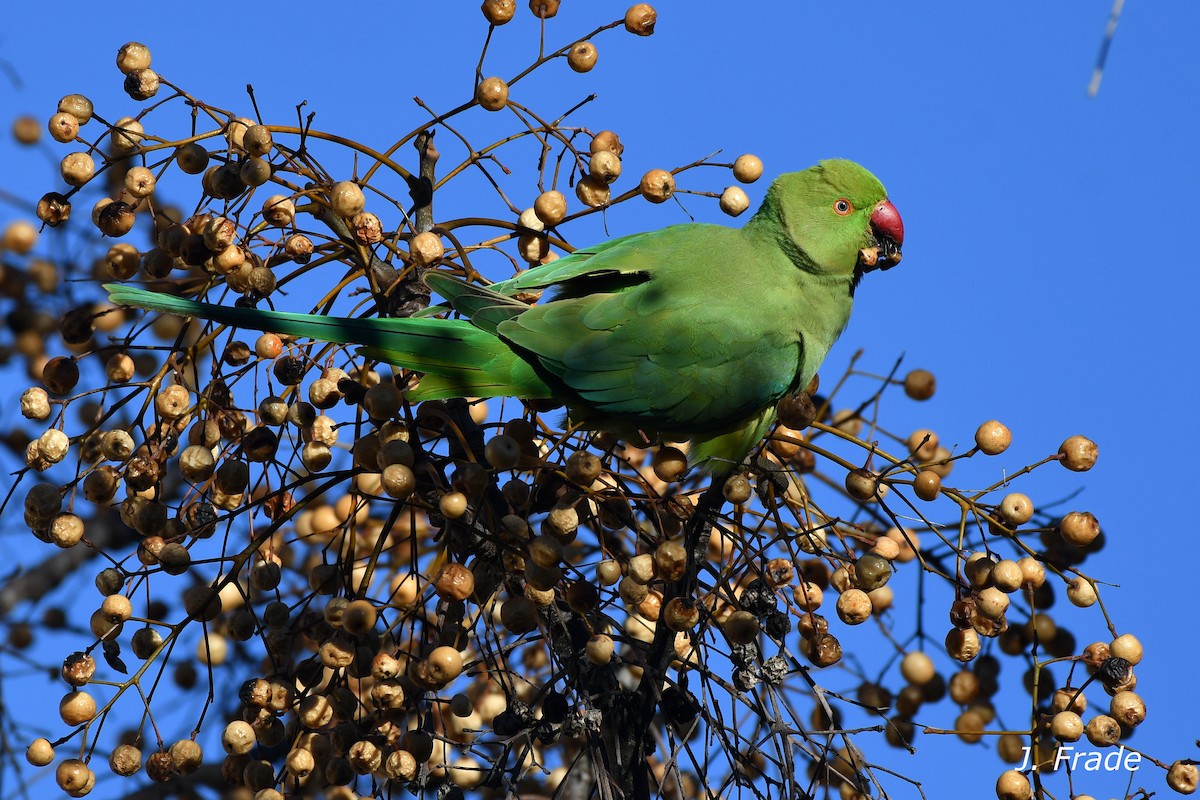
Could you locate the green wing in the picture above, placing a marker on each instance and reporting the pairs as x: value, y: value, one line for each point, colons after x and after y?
x: 637, y: 256
x: 667, y: 347
x: 685, y: 369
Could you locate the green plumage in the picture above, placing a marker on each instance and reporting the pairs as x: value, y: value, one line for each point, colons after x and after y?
x: 689, y: 332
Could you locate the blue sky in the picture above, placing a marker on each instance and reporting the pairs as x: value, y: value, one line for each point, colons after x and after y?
x: 1047, y: 277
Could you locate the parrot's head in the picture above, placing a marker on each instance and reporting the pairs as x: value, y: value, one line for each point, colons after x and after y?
x: 839, y: 215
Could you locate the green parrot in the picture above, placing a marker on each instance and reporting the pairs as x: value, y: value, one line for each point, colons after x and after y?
x: 694, y: 331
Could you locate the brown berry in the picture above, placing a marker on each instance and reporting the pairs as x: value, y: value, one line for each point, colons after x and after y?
x: 669, y: 464
x: 498, y: 12
x: 550, y: 207
x: 657, y: 185
x: 993, y: 437
x: 1078, y: 453
x: 1183, y: 777
x: 927, y: 485
x: 582, y: 56
x: 492, y: 94
x: 861, y: 484
x: 1079, y: 528
x: 606, y: 140
x: 640, y: 19
x: 920, y: 384
x: 133, y: 56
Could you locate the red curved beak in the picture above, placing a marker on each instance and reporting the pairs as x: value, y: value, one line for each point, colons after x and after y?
x: 889, y: 230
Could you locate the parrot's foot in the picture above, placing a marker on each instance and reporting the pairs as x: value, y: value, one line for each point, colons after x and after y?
x: 771, y: 478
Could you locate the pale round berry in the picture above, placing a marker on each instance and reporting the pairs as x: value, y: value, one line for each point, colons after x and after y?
x: 1078, y: 453
x: 550, y: 207
x: 298, y: 248
x: 74, y: 777
x: 606, y: 140
x: 445, y: 664
x: 346, y: 199
x: 77, y: 168
x: 1066, y: 726
x: 76, y: 708
x: 1128, y: 709
x: 1103, y: 731
x: 962, y: 645
x: 992, y: 603
x: 599, y: 649
x: 1012, y: 785
x: 605, y: 165
x: 1128, y: 647
x: 854, y: 607
x: 426, y: 249
x: 279, y: 210
x: 1033, y: 574
x: 917, y: 668
x: 737, y: 489
x: 133, y: 56
x: 66, y: 530
x: 78, y: 106
x: 492, y: 94
x: 592, y: 191
x: 40, y: 752
x: 1007, y: 575
x: 1183, y: 777
x: 734, y: 201
x: 1015, y: 509
x: 18, y: 236
x: 27, y: 130
x: 922, y: 445
x: 582, y: 56
x: 53, y: 445
x: 1079, y: 528
x: 993, y: 437
x: 63, y: 127
x: 1081, y: 592
x: 139, y: 182
x: 808, y: 596
x: 35, y: 403
x: 747, y: 168
x: 126, y: 135
x: 453, y: 504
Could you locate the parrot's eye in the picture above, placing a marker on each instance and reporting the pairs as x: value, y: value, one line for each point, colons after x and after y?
x: 843, y: 206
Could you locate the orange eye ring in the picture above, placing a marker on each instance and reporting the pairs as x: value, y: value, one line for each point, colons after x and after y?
x: 843, y: 206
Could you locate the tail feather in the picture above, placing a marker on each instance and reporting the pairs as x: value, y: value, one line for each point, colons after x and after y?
x: 460, y: 359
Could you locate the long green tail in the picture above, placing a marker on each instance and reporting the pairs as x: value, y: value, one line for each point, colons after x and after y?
x: 458, y: 359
